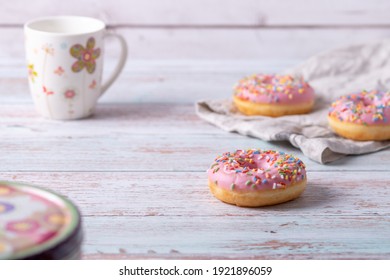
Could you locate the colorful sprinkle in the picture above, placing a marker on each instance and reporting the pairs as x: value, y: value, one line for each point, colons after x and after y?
x: 255, y: 168
x: 366, y: 107
x: 262, y: 88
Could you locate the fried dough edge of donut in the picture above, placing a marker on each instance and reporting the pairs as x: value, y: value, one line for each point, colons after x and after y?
x: 360, y: 132
x: 259, y: 198
x: 271, y: 110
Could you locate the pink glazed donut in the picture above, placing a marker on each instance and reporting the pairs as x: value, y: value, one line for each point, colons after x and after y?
x: 273, y: 95
x: 253, y: 178
x: 362, y: 116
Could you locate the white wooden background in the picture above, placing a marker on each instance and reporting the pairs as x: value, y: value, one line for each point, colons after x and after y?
x: 137, y: 168
x: 200, y: 44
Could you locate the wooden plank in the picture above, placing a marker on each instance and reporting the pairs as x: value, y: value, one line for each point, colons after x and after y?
x: 186, y: 194
x: 153, y: 81
x: 218, y: 44
x: 203, y: 12
x: 154, y: 120
x: 173, y: 255
x: 134, y: 137
x: 281, y: 237
x: 139, y: 223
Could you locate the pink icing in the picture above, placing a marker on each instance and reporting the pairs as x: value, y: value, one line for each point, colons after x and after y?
x: 368, y: 108
x: 274, y: 89
x: 251, y: 170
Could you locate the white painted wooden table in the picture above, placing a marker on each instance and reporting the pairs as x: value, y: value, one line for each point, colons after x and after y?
x: 137, y: 168
x: 137, y: 172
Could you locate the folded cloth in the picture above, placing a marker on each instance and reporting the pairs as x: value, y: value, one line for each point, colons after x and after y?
x: 331, y: 74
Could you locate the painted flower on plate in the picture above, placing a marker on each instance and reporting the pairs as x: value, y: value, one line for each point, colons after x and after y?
x: 5, y: 207
x: 23, y: 226
x: 5, y: 250
x: 56, y: 219
x: 5, y: 190
x: 86, y: 57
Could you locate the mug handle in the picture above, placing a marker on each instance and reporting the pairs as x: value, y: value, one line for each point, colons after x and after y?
x: 121, y: 62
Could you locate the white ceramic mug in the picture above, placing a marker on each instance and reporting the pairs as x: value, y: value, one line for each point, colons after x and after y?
x: 65, y: 65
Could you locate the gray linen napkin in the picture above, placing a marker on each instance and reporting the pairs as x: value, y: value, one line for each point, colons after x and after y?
x: 331, y: 74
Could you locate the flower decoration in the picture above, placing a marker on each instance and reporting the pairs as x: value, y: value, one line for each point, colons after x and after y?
x: 86, y: 57
x: 24, y: 226
x: 59, y: 71
x: 56, y: 219
x: 64, y: 45
x: 48, y: 49
x: 5, y: 249
x: 92, y: 85
x: 5, y: 207
x: 70, y: 94
x: 31, y: 72
x: 2, y: 247
x: 46, y: 91
x: 5, y: 190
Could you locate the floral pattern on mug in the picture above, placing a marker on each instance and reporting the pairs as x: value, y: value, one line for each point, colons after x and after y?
x: 46, y: 91
x: 86, y: 57
x: 64, y: 45
x: 92, y: 85
x: 48, y: 49
x: 59, y: 71
x: 32, y: 74
x: 69, y: 94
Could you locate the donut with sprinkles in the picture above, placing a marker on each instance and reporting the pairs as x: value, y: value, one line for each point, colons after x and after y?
x: 273, y: 95
x: 362, y: 116
x: 254, y: 178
